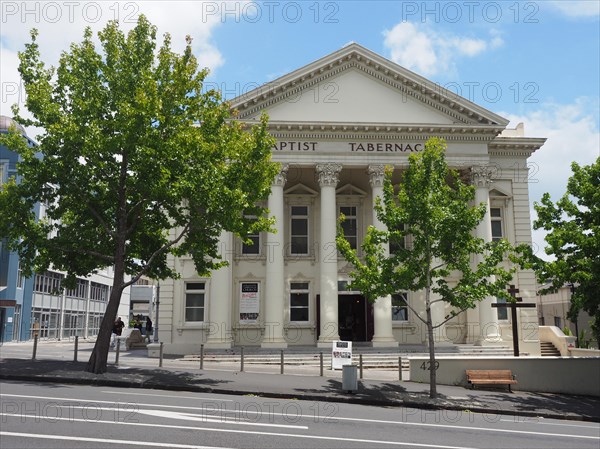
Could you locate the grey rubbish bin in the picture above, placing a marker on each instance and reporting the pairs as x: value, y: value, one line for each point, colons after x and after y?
x: 349, y: 378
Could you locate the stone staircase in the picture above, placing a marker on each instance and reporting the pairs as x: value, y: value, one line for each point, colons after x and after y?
x: 373, y: 358
x: 549, y: 350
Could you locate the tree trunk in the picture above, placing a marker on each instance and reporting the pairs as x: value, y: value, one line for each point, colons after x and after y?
x: 431, y: 342
x: 98, y: 359
x: 432, y: 367
x: 97, y: 363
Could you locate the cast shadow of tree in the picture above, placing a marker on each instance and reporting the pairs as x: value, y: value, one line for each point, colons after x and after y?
x: 57, y: 370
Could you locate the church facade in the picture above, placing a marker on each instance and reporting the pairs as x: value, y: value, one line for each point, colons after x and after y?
x: 339, y: 122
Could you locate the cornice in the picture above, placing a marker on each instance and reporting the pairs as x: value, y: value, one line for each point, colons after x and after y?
x: 381, y: 131
x: 515, y: 146
x: 354, y: 56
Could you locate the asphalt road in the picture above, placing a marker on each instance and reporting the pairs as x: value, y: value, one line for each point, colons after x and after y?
x: 73, y: 416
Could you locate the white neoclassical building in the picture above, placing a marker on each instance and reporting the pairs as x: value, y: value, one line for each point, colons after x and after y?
x: 338, y: 122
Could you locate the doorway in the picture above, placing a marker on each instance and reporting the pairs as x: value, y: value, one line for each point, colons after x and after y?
x: 355, y: 318
x: 3, y: 315
x: 360, y: 310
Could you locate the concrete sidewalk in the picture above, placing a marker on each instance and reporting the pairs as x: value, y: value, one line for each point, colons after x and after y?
x: 135, y: 370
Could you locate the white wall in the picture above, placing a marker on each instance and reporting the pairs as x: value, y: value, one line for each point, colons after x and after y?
x: 578, y: 376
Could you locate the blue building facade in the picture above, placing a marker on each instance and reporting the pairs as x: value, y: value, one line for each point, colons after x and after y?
x: 16, y: 291
x: 40, y: 305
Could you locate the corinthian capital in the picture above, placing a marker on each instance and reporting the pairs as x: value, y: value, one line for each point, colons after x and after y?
x: 281, y: 177
x: 481, y: 175
x: 376, y: 175
x: 328, y: 174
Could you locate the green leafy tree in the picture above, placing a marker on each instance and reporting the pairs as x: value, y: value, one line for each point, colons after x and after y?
x: 433, y: 207
x: 573, y: 238
x: 137, y: 163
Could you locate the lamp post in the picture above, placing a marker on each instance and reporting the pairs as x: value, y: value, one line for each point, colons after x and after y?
x: 157, y: 307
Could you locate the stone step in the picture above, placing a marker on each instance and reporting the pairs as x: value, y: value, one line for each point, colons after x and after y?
x: 369, y: 360
x: 548, y: 349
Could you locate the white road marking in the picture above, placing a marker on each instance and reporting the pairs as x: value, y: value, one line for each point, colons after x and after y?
x: 208, y: 418
x: 98, y: 401
x: 477, y: 429
x: 524, y: 420
x: 252, y: 432
x: 165, y: 396
x: 201, y: 418
x: 191, y: 417
x: 401, y: 423
x: 105, y: 441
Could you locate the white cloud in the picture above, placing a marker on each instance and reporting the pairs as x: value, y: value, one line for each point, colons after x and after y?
x: 573, y: 136
x: 60, y: 23
x: 575, y: 8
x: 418, y: 47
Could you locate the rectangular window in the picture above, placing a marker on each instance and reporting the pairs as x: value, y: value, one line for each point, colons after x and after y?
x: 299, y: 298
x: 48, y: 282
x: 400, y: 307
x: 17, y: 323
x: 19, y: 276
x: 194, y: 301
x: 496, y: 220
x: 299, y: 230
x: 502, y: 311
x: 350, y: 225
x: 557, y: 322
x: 252, y: 248
x: 99, y: 292
x: 80, y: 290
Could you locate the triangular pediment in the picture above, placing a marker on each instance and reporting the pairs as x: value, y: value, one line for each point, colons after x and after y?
x: 355, y: 85
x: 350, y: 190
x: 497, y: 194
x: 302, y: 190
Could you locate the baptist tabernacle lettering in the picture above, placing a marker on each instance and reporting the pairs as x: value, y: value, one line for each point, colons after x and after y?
x: 370, y: 147
x: 295, y: 146
x: 385, y: 147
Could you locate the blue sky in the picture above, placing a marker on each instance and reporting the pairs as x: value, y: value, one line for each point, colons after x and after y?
x: 535, y: 62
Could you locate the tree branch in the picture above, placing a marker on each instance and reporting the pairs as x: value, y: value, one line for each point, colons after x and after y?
x: 439, y: 266
x: 449, y: 318
x: 101, y: 220
x: 135, y: 219
x: 158, y: 252
x: 109, y: 259
x: 415, y: 312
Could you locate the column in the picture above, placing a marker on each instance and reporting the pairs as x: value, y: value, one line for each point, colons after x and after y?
x: 382, y: 308
x: 221, y: 297
x: 328, y: 179
x: 275, y: 283
x: 488, y: 318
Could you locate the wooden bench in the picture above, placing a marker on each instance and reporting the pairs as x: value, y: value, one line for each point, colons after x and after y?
x: 491, y: 377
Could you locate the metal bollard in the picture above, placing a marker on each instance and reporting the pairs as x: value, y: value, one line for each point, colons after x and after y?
x: 118, y: 350
x: 360, y: 364
x: 76, y: 348
x: 242, y: 360
x: 35, y: 342
x: 202, y: 356
x: 321, y: 363
x: 281, y: 361
x: 160, y: 355
x: 400, y: 368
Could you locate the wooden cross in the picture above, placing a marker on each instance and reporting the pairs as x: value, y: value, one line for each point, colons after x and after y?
x: 513, y: 313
